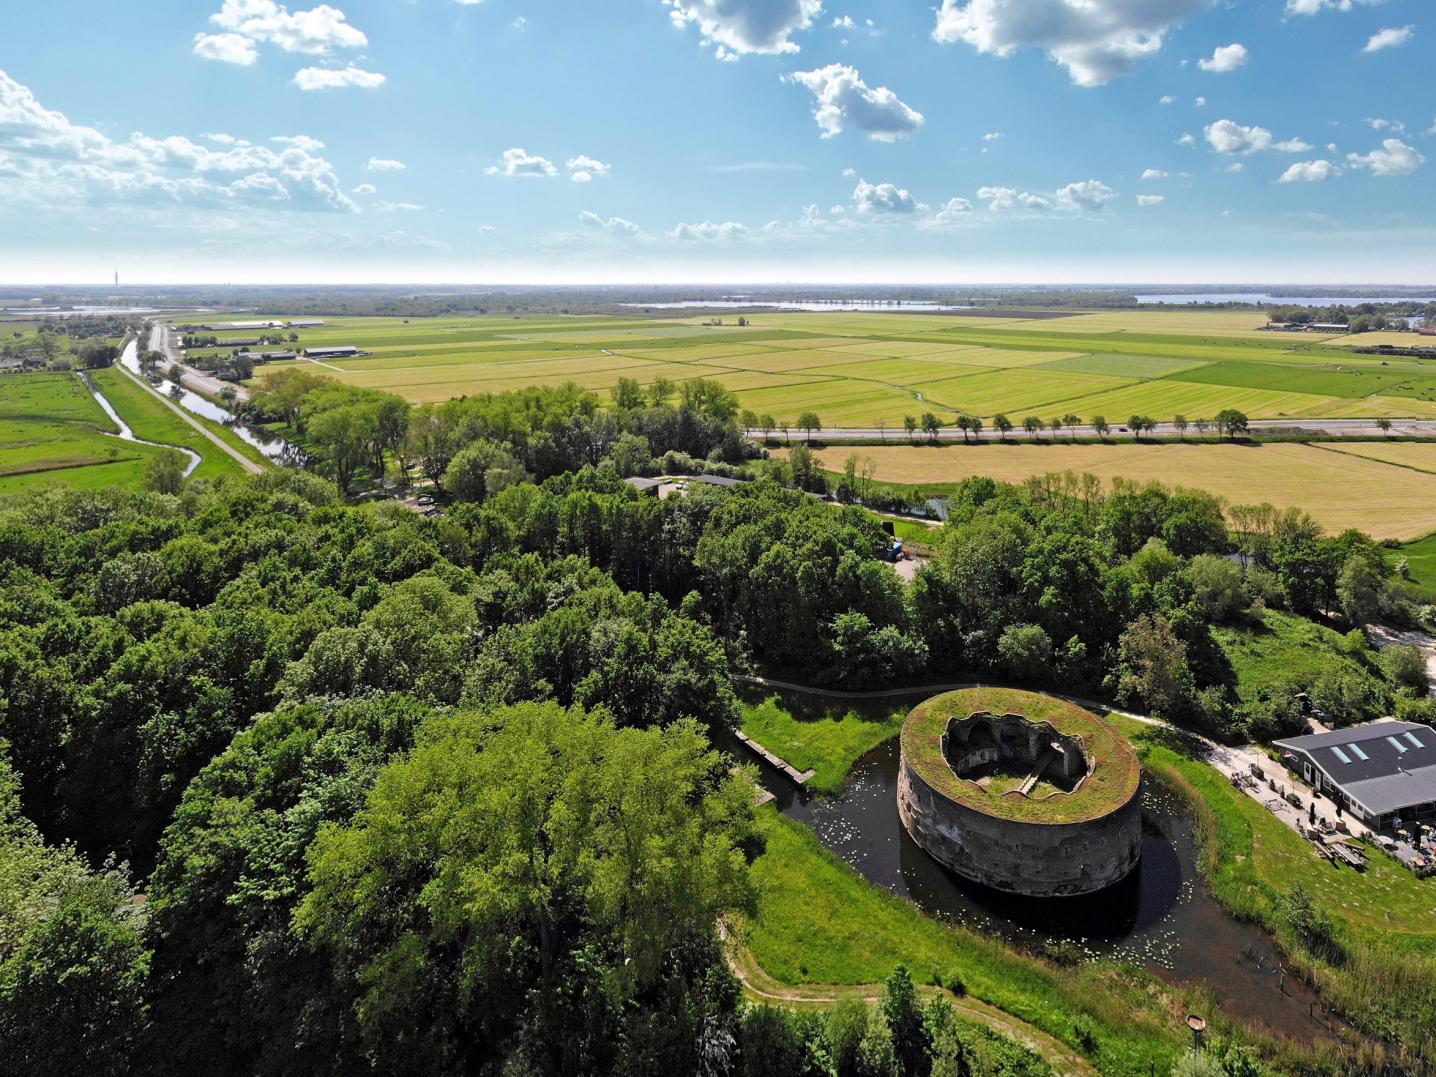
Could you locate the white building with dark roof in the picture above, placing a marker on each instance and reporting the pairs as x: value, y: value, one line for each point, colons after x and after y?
x: 1379, y: 772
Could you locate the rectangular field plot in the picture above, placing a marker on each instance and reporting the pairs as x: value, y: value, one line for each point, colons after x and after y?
x: 1165, y: 398
x: 903, y: 348
x: 1123, y: 366
x: 1014, y: 390
x: 1340, y: 490
x: 1411, y: 454
x: 1319, y: 380
x: 790, y: 360
x: 1004, y: 359
x: 839, y: 403
x: 1229, y: 323
x: 899, y: 371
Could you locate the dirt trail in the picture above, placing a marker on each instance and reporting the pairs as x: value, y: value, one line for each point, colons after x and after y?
x: 758, y: 985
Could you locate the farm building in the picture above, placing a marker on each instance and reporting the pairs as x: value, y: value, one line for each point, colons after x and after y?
x: 1330, y: 327
x: 645, y: 486
x: 230, y: 327
x: 344, y: 351
x: 1380, y: 771
x: 237, y: 342
x: 267, y: 357
x: 312, y: 323
x: 716, y: 480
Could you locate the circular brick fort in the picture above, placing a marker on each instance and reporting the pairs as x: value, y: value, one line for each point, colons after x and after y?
x: 1021, y: 792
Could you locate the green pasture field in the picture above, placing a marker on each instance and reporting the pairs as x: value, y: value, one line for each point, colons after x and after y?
x: 52, y: 430
x: 856, y: 369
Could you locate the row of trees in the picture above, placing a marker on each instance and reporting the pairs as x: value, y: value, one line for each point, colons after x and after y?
x: 1229, y: 423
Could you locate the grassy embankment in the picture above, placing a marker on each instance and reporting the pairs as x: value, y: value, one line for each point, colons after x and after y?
x: 53, y: 431
x: 1385, y: 976
x: 1288, y: 648
x: 152, y: 420
x: 819, y: 922
x: 825, y: 738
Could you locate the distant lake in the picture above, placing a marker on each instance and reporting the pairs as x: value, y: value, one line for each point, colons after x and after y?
x: 1263, y: 300
x: 895, y: 306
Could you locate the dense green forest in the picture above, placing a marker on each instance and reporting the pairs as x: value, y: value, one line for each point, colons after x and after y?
x: 296, y: 785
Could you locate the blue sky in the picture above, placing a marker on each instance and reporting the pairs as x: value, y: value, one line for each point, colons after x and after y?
x: 975, y: 141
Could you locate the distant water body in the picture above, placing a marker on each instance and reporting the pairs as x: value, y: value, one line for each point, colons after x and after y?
x: 1264, y: 300
x: 905, y: 306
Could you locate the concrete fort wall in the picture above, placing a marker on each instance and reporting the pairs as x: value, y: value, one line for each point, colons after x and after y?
x: 1040, y: 859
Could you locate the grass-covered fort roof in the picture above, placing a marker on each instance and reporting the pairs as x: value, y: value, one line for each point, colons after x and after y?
x: 1112, y: 782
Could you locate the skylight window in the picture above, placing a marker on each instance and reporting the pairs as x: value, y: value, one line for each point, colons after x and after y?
x: 1412, y: 738
x: 1356, y: 749
x: 1340, y: 754
x: 1397, y: 745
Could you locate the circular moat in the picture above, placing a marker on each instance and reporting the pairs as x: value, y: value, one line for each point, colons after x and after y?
x: 1020, y: 792
x: 1159, y: 916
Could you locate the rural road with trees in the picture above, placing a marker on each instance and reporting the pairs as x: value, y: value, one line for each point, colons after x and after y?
x: 1421, y: 428
x: 197, y: 380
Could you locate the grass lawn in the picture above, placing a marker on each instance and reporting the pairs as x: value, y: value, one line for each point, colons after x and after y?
x: 1285, y: 648
x: 828, y: 742
x: 819, y: 922
x: 152, y: 420
x: 1421, y: 564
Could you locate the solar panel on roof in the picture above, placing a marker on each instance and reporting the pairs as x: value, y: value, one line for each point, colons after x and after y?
x: 1359, y: 753
x: 1397, y: 745
x: 1412, y: 738
x: 1339, y: 754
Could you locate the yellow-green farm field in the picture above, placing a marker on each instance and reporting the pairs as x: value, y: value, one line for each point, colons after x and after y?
x: 1339, y: 489
x: 861, y: 369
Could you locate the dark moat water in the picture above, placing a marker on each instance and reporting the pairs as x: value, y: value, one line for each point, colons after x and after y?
x: 1160, y: 917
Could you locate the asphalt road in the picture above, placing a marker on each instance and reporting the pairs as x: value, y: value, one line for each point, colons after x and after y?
x: 162, y: 340
x: 1324, y: 427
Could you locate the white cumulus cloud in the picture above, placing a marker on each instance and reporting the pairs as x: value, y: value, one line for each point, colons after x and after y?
x: 519, y: 162
x: 226, y: 48
x: 1393, y: 158
x: 385, y: 164
x: 1309, y: 172
x: 709, y: 231
x: 365, y: 188
x: 1313, y: 7
x: 1151, y: 199
x: 1228, y: 136
x: 48, y: 160
x: 335, y: 78
x: 1088, y: 196
x: 1154, y: 174
x: 737, y: 27
x: 317, y: 31
x: 582, y: 169
x: 1389, y: 38
x: 884, y: 198
x: 1094, y: 40
x: 842, y: 99
x: 1225, y: 58
x: 616, y: 225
